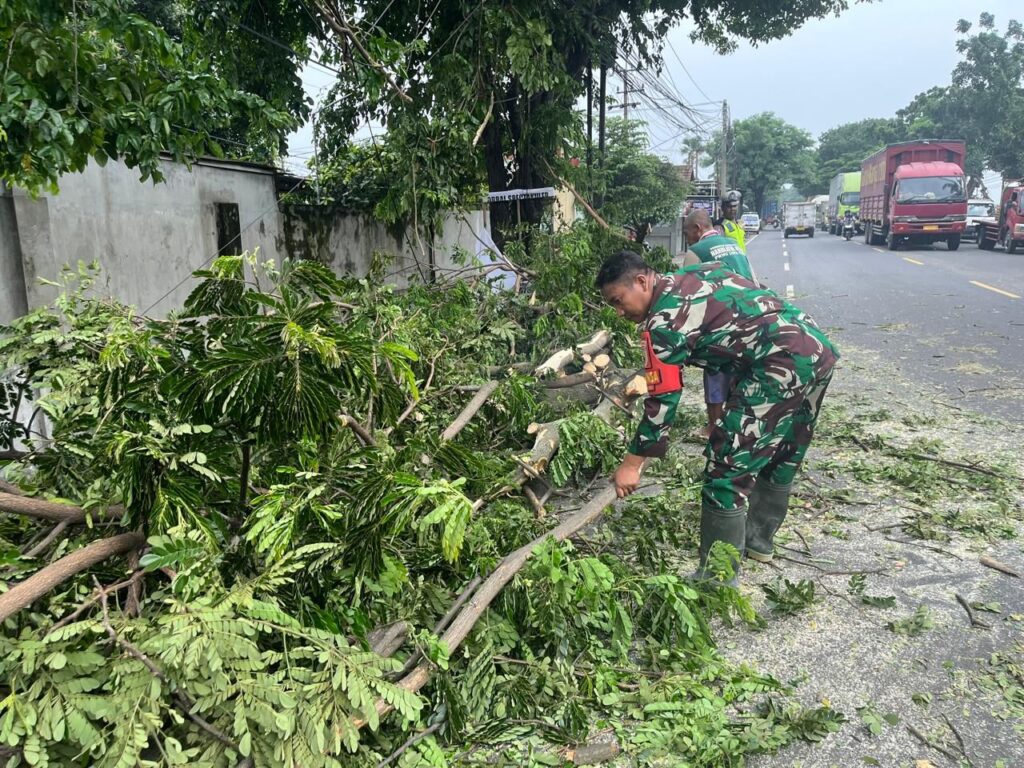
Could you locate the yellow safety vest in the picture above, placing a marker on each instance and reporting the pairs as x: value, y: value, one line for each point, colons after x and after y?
x: 731, y: 229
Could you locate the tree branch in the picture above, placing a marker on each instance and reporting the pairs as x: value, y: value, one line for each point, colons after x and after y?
x: 361, y: 432
x: 43, y: 581
x: 93, y: 599
x: 49, y: 510
x: 340, y: 25
x: 471, y: 409
x: 52, y: 536
x: 182, y: 702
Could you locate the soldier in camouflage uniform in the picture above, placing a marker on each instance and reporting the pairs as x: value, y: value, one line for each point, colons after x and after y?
x: 710, y: 317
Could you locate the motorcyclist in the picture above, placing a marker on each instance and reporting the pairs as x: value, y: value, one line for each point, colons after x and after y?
x: 728, y: 223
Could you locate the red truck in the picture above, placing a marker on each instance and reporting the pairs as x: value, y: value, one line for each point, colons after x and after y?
x: 1008, y: 228
x: 914, y: 192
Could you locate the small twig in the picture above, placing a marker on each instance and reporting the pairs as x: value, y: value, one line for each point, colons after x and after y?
x: 975, y: 621
x: 95, y: 598
x: 411, y: 741
x: 441, y: 626
x: 534, y: 502
x: 917, y: 543
x: 959, y: 738
x: 995, y: 565
x: 961, y: 465
x: 360, y: 431
x: 415, y: 403
x: 802, y: 539
x: 181, y: 701
x: 825, y: 572
x: 472, y: 408
x: 924, y: 740
x: 888, y: 527
x: 51, y: 537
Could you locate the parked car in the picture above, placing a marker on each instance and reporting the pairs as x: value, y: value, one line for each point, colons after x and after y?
x: 751, y: 222
x: 978, y: 211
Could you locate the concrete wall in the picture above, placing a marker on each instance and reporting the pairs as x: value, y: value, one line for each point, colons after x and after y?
x: 149, y: 238
x: 13, y: 301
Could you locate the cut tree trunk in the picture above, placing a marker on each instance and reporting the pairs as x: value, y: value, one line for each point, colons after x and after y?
x: 597, y: 342
x: 555, y: 363
x: 43, y: 581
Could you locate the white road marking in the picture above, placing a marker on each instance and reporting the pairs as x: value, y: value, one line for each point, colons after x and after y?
x: 790, y: 293
x: 913, y: 261
x: 997, y: 290
x: 878, y: 249
x: 786, y: 266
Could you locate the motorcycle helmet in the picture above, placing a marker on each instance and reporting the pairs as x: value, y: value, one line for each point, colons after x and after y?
x: 731, y: 198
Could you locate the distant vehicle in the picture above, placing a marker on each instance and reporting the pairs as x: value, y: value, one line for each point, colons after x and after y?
x: 751, y: 222
x: 1008, y: 229
x: 914, y: 192
x: 820, y: 209
x: 843, y: 196
x: 798, y: 219
x: 978, y: 211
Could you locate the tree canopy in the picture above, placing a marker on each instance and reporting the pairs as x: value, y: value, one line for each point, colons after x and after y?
x: 766, y: 152
x: 638, y: 189
x: 89, y: 79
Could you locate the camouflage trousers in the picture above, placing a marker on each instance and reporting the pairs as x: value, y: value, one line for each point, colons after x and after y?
x: 765, y: 431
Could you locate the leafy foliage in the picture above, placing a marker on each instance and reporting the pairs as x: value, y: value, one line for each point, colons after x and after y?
x: 787, y: 597
x: 92, y: 80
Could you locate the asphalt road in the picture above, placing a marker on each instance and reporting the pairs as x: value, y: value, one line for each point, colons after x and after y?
x: 953, y: 321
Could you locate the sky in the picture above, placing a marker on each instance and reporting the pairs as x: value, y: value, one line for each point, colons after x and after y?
x: 868, y: 62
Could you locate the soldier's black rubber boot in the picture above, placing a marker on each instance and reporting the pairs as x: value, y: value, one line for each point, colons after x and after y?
x: 769, y: 504
x: 726, y: 525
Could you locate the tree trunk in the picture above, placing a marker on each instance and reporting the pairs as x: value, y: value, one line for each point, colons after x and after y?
x: 43, y: 581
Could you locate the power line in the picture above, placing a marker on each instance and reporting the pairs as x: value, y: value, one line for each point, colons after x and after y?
x: 286, y: 47
x: 695, y: 83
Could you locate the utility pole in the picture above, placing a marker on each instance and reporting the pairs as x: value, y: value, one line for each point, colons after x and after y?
x: 602, y: 98
x: 625, y: 95
x: 723, y: 152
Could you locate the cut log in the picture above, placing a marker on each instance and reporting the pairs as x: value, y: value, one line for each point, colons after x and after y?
x: 636, y: 387
x: 590, y: 368
x: 545, y: 443
x: 597, y: 342
x: 602, y: 361
x: 43, y: 581
x: 471, y: 409
x: 555, y: 363
x: 51, y: 510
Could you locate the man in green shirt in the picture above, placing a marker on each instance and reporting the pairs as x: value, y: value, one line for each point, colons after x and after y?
x: 706, y: 245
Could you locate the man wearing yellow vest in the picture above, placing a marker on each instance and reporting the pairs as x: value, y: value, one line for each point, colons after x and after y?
x: 729, y: 223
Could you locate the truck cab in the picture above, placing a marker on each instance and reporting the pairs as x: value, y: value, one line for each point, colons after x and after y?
x: 1008, y: 228
x: 928, y: 198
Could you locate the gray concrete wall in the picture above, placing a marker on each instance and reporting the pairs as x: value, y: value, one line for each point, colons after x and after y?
x: 13, y: 301
x: 149, y: 238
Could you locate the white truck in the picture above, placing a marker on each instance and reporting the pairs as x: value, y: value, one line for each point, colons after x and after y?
x: 798, y: 219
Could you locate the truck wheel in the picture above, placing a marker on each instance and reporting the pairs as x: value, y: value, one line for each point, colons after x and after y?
x: 811, y: 233
x: 891, y: 242
x: 953, y: 242
x: 985, y: 243
x: 1011, y: 244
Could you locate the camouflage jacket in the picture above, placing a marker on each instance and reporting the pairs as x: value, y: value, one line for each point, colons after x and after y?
x: 716, y: 247
x: 712, y: 318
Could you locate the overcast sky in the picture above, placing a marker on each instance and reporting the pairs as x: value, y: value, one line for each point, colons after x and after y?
x: 869, y: 62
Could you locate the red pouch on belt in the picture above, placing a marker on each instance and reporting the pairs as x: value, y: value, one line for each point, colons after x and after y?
x: 661, y: 377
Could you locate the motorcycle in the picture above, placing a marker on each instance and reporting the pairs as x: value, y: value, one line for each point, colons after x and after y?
x: 849, y: 226
x: 775, y: 223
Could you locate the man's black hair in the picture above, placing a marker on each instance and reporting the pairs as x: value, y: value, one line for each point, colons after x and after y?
x: 624, y: 265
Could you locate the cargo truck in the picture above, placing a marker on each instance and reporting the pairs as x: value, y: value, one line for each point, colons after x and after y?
x: 1008, y: 227
x: 843, y: 196
x: 798, y: 219
x: 914, y: 192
